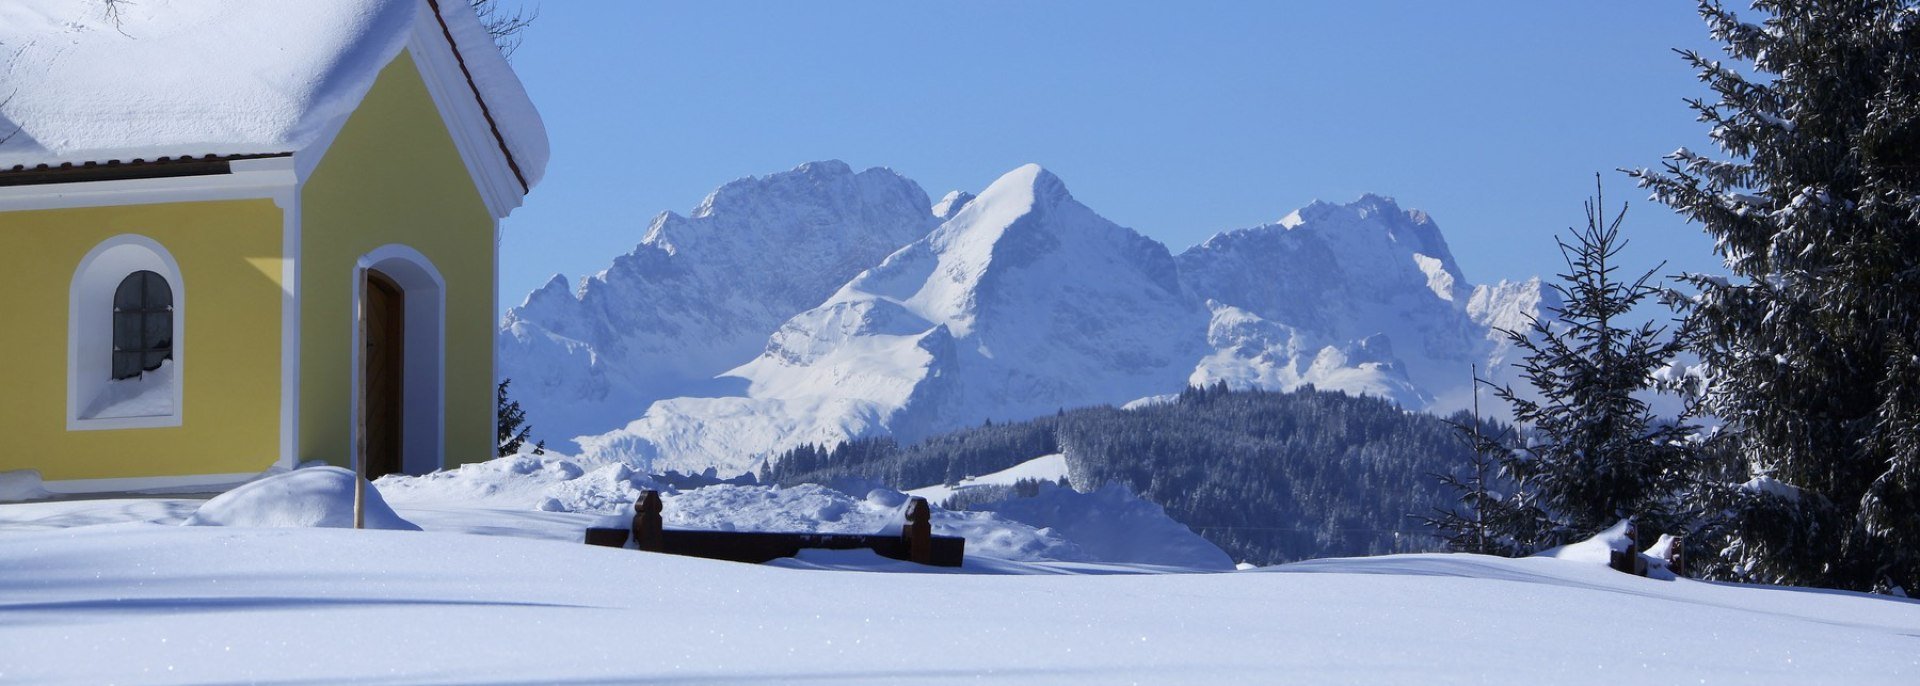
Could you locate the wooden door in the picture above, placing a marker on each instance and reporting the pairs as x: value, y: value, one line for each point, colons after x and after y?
x: 386, y: 341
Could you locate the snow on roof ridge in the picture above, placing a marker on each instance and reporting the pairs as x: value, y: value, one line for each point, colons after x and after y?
x: 178, y: 78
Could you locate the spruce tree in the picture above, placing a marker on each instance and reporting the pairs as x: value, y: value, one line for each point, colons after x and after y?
x: 1594, y: 452
x: 1489, y: 516
x: 510, y: 429
x: 1810, y: 347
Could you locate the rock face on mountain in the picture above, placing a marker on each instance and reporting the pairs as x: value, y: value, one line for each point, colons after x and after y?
x: 818, y: 305
x: 1364, y: 297
x: 700, y: 293
x: 1024, y: 302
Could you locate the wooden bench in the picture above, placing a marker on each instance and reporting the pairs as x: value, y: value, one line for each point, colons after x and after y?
x: 915, y: 543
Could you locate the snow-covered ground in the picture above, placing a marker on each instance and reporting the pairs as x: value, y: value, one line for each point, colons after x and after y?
x: 498, y: 589
x: 167, y: 604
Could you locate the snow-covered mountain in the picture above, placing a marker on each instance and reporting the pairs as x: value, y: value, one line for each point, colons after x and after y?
x: 700, y: 293
x: 1363, y: 297
x: 819, y: 304
x: 1024, y: 302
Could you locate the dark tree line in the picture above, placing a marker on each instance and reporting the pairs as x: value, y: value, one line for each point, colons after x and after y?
x: 1269, y: 477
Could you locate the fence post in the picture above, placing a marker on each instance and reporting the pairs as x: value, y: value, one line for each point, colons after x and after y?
x: 919, y: 531
x: 647, y: 523
x: 1629, y: 560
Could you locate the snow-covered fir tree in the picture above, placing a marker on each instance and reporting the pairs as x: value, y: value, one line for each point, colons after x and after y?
x: 510, y: 428
x: 1593, y: 453
x: 1811, y: 348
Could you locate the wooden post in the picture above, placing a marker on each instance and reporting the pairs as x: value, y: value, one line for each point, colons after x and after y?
x: 1629, y: 560
x: 359, y: 398
x: 647, y: 524
x: 919, y: 531
x: 1677, y: 556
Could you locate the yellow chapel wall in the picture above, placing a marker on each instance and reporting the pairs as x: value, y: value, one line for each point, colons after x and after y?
x: 393, y: 175
x: 229, y: 255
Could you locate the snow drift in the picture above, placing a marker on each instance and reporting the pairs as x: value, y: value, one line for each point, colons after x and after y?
x: 311, y: 497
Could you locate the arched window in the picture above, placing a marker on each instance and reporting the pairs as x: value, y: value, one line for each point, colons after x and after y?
x: 126, y: 316
x: 142, y: 324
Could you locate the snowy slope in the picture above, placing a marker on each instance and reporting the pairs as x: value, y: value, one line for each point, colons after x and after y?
x: 1109, y: 524
x: 156, y: 604
x: 700, y: 294
x: 1363, y: 297
x: 1044, y: 468
x: 1026, y: 301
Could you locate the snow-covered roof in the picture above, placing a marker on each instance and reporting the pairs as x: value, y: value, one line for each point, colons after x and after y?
x: 177, y: 78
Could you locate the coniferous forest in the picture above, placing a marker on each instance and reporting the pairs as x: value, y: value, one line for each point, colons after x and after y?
x: 1269, y: 477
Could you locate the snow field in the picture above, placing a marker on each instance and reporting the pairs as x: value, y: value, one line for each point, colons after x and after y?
x: 202, y: 604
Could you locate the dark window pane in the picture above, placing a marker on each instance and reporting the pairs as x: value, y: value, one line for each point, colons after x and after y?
x: 157, y: 295
x: 130, y: 295
x: 126, y: 331
x: 157, y: 331
x: 142, y: 324
x: 126, y: 365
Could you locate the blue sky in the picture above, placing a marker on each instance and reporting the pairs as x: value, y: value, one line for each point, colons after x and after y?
x: 1179, y: 119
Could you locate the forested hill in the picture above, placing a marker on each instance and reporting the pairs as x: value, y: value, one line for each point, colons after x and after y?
x: 1269, y: 477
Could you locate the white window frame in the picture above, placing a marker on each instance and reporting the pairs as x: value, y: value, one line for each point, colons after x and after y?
x: 90, y: 329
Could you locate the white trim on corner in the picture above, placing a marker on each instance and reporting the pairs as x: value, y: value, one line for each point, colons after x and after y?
x: 493, y: 352
x: 149, y: 483
x: 289, y: 202
x: 424, y: 388
x: 308, y: 159
x: 249, y: 179
x: 472, y: 134
x: 90, y: 338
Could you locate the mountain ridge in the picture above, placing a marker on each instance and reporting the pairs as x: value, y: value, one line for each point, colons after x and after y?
x: 1021, y: 301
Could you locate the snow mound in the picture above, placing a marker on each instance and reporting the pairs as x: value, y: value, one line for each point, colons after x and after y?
x: 518, y: 482
x: 303, y: 498
x: 609, y: 490
x: 1598, y: 549
x: 1113, y: 525
x: 1109, y: 525
x: 22, y: 484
